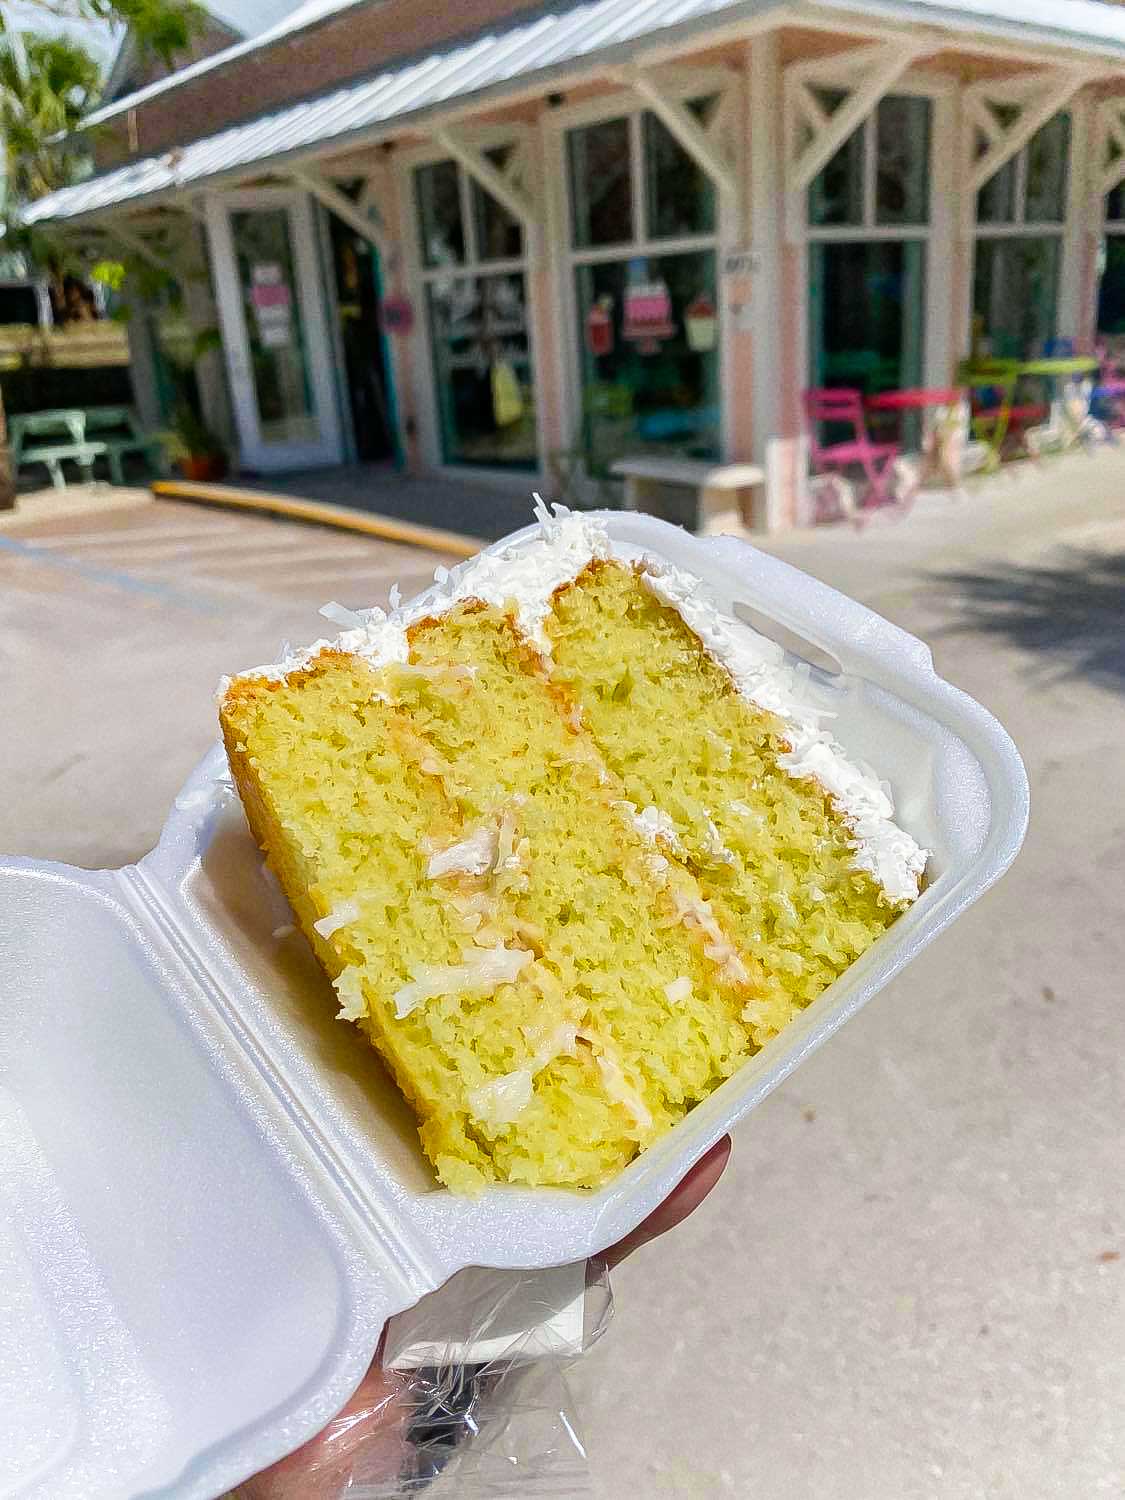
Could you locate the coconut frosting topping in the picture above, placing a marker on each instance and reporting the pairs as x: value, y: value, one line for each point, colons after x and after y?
x: 523, y: 577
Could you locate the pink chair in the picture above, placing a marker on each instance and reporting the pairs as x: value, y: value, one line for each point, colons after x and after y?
x: 844, y: 407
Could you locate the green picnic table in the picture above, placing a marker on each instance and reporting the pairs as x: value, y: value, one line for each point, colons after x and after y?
x: 1003, y: 375
x: 82, y: 434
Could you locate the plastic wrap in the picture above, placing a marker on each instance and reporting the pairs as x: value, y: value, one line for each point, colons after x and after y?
x: 468, y: 1396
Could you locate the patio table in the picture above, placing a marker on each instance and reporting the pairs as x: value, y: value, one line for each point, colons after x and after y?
x: 944, y: 428
x: 915, y: 398
x: 1004, y: 375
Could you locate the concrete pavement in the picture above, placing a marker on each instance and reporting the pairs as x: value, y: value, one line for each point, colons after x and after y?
x: 911, y: 1282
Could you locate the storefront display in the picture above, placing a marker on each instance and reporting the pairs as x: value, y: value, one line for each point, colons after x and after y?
x: 1019, y: 247
x: 868, y: 231
x: 701, y: 323
x: 648, y: 315
x: 479, y: 330
x: 643, y: 255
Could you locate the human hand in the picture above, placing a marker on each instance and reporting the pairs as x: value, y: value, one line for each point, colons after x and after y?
x: 379, y: 1413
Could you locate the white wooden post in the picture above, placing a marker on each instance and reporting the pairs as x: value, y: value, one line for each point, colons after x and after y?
x: 765, y: 199
x: 1075, y: 318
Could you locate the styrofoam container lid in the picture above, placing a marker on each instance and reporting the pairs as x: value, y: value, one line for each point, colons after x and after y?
x: 214, y: 1195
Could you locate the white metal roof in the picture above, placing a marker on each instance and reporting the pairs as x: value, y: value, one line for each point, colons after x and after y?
x: 537, y: 49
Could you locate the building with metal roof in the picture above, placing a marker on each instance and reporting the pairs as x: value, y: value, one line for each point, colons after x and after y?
x: 651, y: 225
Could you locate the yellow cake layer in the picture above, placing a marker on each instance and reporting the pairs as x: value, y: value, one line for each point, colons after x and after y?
x: 351, y: 796
x: 768, y: 849
x: 551, y: 987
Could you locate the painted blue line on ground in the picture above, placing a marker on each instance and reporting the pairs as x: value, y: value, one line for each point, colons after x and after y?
x: 148, y: 588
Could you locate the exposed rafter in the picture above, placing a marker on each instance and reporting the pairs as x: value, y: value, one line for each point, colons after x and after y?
x: 325, y: 191
x: 1055, y: 90
x: 697, y: 140
x: 499, y: 185
x: 871, y: 72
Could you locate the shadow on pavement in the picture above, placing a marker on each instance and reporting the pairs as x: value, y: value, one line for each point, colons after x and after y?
x: 1070, y: 613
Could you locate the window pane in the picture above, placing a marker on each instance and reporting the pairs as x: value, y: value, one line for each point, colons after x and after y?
x: 19, y: 304
x: 1015, y: 291
x: 902, y: 180
x: 601, y: 194
x: 1115, y: 204
x: 482, y: 370
x: 499, y: 236
x: 681, y: 196
x: 866, y: 314
x: 836, y: 194
x: 1047, y: 153
x: 996, y: 201
x: 439, y: 214
x: 650, y: 363
x: 1111, y: 293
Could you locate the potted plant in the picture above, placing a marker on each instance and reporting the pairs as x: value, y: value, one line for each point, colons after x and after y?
x: 193, y: 447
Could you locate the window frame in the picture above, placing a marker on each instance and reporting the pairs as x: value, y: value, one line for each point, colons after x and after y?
x: 419, y: 276
x: 566, y: 258
x: 937, y: 234
x: 1019, y: 227
x: 870, y: 228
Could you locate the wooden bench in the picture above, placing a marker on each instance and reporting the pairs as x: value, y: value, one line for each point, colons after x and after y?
x: 53, y: 454
x: 67, y: 431
x: 716, y: 488
x: 120, y: 432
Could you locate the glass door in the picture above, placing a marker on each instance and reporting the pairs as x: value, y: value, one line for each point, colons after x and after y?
x: 275, y: 334
x: 867, y: 310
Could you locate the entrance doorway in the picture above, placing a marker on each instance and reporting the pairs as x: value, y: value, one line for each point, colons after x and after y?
x: 275, y: 333
x: 356, y: 270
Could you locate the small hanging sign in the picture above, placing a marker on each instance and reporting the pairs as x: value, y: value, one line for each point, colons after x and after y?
x: 648, y: 315
x: 396, y: 314
x: 599, y: 327
x: 701, y: 324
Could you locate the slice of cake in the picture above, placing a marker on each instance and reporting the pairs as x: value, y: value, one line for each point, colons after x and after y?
x: 567, y: 844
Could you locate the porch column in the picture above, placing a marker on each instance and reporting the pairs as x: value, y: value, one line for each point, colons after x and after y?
x: 773, y: 371
x: 549, y: 334
x: 395, y: 200
x: 962, y: 211
x: 1077, y: 315
x: 203, y: 316
x: 142, y: 360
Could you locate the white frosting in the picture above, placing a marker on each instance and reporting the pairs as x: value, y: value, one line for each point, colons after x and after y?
x: 348, y: 985
x: 339, y: 916
x: 504, y: 1099
x: 475, y: 855
x: 524, y: 577
x: 698, y: 914
x: 483, y: 972
x: 617, y: 1086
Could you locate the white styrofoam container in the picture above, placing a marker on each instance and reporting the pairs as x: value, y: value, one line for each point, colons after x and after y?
x: 215, y: 1196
